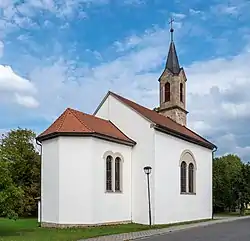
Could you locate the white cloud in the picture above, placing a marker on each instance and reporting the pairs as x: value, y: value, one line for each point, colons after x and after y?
x: 26, y: 101
x: 236, y: 111
x: 194, y: 12
x: 21, y: 14
x: 201, y: 126
x: 16, y: 15
x: 155, y: 37
x: 225, y: 73
x: 178, y: 16
x: 10, y: 81
x: 232, y: 147
x: 230, y: 10
x: 131, y: 42
x: 12, y: 84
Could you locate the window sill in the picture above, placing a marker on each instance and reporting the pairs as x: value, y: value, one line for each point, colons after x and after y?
x: 115, y: 192
x: 188, y: 193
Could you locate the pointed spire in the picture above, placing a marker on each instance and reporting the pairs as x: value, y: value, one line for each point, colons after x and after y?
x: 172, y: 60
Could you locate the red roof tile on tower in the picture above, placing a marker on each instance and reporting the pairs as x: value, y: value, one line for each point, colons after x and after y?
x: 73, y: 122
x: 165, y: 123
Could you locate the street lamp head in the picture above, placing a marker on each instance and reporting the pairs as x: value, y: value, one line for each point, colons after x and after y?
x: 147, y: 170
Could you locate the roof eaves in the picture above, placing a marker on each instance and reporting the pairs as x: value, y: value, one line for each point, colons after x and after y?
x: 63, y: 115
x: 184, y: 137
x: 170, y: 72
x: 87, y: 134
x: 202, y: 138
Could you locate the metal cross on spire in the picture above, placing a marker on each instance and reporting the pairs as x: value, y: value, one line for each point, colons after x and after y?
x: 171, y: 28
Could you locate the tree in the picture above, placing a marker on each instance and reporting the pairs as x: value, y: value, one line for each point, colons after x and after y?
x: 242, y: 187
x: 18, y: 149
x: 10, y: 194
x: 226, y: 172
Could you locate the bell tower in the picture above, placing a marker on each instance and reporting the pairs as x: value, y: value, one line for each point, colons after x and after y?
x: 172, y: 85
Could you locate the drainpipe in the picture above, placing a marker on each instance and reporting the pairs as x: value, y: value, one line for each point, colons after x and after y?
x: 214, y: 150
x: 39, y: 144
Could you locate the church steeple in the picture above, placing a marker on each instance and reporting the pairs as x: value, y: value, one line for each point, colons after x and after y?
x: 172, y: 63
x: 173, y: 86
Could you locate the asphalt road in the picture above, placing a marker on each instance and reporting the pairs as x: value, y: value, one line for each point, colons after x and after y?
x: 229, y: 231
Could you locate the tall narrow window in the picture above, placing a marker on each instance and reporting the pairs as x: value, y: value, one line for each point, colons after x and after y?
x: 117, y: 174
x: 191, y: 178
x: 181, y: 92
x: 167, y: 92
x: 183, y: 176
x: 109, y: 173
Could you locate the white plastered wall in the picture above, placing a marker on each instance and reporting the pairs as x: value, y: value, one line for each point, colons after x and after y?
x: 170, y: 205
x: 137, y: 128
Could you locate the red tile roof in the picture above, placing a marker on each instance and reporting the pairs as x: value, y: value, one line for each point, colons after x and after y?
x: 73, y: 122
x: 166, y: 124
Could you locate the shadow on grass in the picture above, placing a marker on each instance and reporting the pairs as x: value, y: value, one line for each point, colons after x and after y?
x: 16, y: 228
x: 11, y: 232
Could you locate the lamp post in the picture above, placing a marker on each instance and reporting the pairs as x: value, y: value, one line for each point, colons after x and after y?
x: 147, y: 171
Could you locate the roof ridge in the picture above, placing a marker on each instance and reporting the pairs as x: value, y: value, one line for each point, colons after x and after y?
x: 175, y: 125
x: 147, y: 109
x: 63, y: 119
x: 92, y: 115
x: 72, y: 111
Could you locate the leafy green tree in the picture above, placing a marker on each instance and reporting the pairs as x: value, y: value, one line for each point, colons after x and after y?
x: 18, y: 149
x: 226, y: 172
x: 242, y: 187
x: 10, y: 194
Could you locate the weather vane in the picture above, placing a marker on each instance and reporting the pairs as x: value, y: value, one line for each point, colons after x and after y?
x: 171, y: 28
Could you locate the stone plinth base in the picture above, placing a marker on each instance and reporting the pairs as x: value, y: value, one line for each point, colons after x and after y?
x: 58, y: 225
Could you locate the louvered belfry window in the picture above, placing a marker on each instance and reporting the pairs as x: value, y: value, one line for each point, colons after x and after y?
x: 181, y: 92
x: 167, y: 92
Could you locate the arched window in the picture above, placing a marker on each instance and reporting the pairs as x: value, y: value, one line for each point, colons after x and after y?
x: 167, y: 92
x: 183, y: 177
x: 191, y: 178
x: 181, y: 92
x: 109, y: 173
x: 117, y: 174
x: 188, y: 172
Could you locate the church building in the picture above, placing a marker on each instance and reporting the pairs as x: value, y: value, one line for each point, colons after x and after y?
x: 92, y: 169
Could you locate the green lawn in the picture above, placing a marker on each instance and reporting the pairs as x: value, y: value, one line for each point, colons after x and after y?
x: 28, y: 230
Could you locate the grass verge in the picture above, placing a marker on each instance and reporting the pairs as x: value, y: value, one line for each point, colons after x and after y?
x: 28, y: 230
x: 232, y: 214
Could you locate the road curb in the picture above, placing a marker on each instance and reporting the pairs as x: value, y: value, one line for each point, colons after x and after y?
x: 190, y: 226
x: 157, y: 232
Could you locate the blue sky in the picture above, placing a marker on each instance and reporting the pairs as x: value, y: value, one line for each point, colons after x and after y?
x: 56, y: 54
